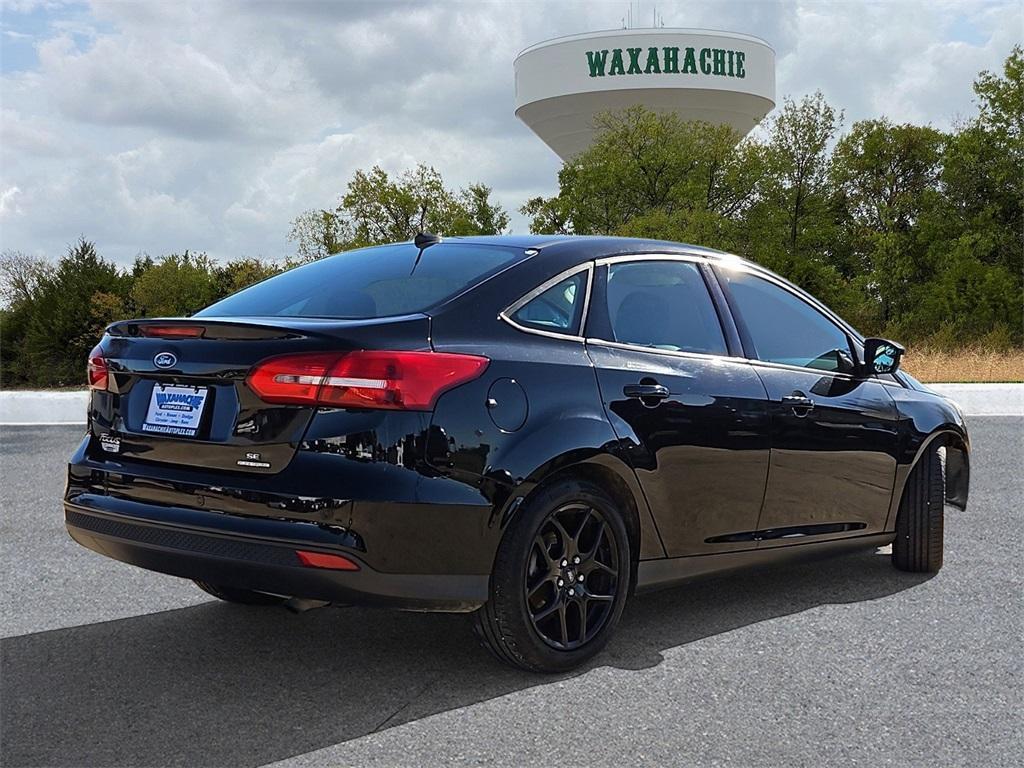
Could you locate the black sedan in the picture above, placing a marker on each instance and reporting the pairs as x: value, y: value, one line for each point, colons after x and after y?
x: 528, y: 428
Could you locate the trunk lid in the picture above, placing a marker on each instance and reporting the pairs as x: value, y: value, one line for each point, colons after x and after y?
x: 185, y: 401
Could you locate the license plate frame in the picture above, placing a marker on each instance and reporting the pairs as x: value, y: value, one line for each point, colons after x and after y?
x: 176, y: 410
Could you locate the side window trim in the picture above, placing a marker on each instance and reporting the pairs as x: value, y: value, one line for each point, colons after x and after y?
x: 725, y: 315
x: 749, y: 349
x: 576, y: 334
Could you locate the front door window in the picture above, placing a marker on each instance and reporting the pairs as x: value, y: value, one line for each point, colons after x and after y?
x: 785, y: 328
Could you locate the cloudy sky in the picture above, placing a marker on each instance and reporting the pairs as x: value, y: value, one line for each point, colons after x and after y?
x: 164, y: 125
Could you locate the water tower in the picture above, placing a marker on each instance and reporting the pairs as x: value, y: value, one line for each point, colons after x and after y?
x: 718, y: 77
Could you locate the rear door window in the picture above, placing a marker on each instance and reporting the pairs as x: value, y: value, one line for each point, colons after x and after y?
x: 663, y: 305
x: 371, y: 282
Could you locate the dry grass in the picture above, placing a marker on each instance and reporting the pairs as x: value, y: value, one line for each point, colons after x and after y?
x: 966, y: 365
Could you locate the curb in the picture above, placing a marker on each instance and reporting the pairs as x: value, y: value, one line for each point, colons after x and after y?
x: 28, y: 408
x: 21, y: 408
x: 985, y: 399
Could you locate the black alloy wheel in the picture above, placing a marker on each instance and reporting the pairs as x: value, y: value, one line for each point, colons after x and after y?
x: 560, y: 581
x: 572, y: 576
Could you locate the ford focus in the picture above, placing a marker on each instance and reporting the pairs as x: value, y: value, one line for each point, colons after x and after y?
x: 531, y: 429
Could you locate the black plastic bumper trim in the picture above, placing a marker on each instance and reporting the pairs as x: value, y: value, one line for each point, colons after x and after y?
x: 265, y: 566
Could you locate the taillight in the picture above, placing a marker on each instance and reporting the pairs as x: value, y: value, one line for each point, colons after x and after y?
x: 96, y: 369
x: 410, y: 381
x: 172, y: 331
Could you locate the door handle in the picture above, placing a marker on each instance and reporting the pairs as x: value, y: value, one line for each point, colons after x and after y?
x: 799, y: 402
x: 646, y: 391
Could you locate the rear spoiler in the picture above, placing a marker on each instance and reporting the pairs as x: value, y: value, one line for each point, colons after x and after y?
x: 184, y: 328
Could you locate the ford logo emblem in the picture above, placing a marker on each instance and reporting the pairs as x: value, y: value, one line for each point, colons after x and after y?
x: 165, y: 360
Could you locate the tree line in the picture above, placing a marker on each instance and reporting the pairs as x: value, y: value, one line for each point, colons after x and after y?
x: 53, y: 314
x: 909, y: 232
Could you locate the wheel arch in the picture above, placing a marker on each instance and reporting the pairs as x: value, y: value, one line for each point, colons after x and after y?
x: 957, y: 472
x: 612, y: 475
x: 958, y: 469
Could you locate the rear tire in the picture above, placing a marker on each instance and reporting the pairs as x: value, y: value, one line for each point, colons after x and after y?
x: 240, y: 596
x: 919, y: 523
x: 544, y: 616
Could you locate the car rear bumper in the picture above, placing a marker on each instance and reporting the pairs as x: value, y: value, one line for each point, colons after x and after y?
x: 257, y: 554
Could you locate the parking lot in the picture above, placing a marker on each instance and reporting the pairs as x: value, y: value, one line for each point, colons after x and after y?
x: 841, y: 662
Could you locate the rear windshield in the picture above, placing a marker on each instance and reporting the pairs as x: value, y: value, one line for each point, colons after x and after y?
x: 368, y: 283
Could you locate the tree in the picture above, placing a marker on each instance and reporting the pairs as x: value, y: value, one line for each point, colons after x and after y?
x: 20, y: 276
x: 548, y: 215
x: 241, y: 273
x: 983, y: 169
x: 974, y: 232
x: 652, y: 174
x: 318, y: 233
x: 1001, y: 101
x: 377, y: 208
x: 175, y: 285
x: 887, y: 176
x: 798, y: 163
x: 71, y: 307
x: 482, y: 216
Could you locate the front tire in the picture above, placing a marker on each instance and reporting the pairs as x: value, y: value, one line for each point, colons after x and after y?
x: 240, y: 596
x: 919, y: 523
x: 560, y: 580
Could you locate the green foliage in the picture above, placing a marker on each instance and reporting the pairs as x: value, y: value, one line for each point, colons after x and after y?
x: 66, y: 315
x: 54, y: 315
x: 318, y: 233
x: 20, y: 275
x: 906, y: 231
x: 887, y: 178
x: 175, y: 285
x: 903, y: 229
x: 13, y: 327
x: 649, y: 171
x: 241, y: 273
x: 377, y: 208
x: 479, y: 216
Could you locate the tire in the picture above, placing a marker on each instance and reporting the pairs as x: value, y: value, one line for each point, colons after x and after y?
x: 546, y: 617
x: 240, y: 596
x: 919, y: 522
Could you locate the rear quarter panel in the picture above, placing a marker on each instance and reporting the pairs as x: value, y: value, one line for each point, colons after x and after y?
x: 564, y: 423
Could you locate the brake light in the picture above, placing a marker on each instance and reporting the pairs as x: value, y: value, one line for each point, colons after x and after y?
x: 373, y: 379
x: 96, y: 369
x: 173, y: 331
x: 324, y: 560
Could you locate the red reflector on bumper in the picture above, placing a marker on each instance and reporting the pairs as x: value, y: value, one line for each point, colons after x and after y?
x: 322, y: 560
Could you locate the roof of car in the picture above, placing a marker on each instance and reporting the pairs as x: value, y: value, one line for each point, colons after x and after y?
x: 591, y: 243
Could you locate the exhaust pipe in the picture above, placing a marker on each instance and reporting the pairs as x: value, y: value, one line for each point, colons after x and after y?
x: 302, y: 604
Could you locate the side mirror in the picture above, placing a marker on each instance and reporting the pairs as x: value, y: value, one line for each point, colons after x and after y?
x: 881, y: 356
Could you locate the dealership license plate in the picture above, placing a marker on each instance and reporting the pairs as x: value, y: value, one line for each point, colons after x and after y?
x: 175, y: 410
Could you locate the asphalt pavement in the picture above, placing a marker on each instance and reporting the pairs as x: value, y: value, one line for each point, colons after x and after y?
x: 839, y: 662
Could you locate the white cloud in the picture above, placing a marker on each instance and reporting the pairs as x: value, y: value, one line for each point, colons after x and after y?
x: 896, y: 58
x: 159, y: 126
x: 9, y: 202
